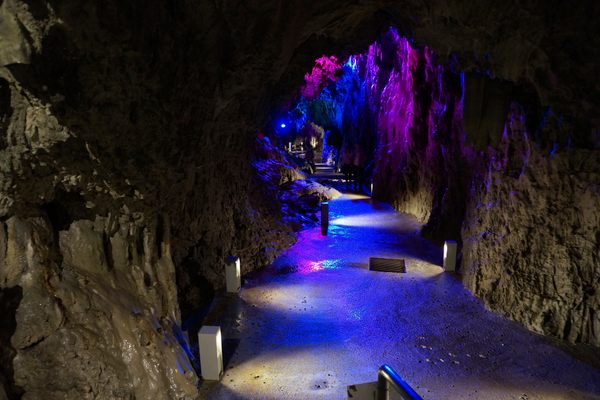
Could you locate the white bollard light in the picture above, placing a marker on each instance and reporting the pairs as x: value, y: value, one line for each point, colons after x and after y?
x: 211, y: 352
x: 290, y: 147
x: 449, y: 255
x: 233, y: 275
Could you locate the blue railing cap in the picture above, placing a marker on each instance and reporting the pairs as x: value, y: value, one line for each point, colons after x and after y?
x: 405, y: 390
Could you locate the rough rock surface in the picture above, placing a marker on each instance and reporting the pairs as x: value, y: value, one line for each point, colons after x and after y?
x: 531, y: 239
x: 298, y: 197
x: 127, y: 131
x: 97, y: 314
x: 521, y: 199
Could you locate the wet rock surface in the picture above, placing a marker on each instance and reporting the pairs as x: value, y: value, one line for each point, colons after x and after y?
x: 96, y: 321
x: 531, y: 245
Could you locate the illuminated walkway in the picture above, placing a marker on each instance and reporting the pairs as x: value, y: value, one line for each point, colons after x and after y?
x: 318, y: 321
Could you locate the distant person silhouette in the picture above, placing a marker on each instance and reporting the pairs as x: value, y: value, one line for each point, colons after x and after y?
x: 309, y: 158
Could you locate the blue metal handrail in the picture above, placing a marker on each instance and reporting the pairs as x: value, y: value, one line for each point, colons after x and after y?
x: 387, y: 377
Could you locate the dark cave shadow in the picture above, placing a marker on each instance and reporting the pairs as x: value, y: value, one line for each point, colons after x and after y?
x: 230, y: 346
x: 208, y: 389
x: 10, y: 299
x: 194, y: 322
x: 226, y: 312
x: 583, y: 352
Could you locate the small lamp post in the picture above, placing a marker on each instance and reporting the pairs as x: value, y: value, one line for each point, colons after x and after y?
x: 233, y: 275
x: 449, y: 255
x: 211, y: 352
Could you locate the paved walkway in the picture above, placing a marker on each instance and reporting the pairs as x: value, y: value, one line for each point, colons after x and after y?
x: 318, y: 320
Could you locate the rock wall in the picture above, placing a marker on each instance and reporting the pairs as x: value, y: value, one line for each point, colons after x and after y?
x: 522, y: 202
x: 531, y: 240
x: 126, y: 149
x: 121, y: 194
x: 526, y: 219
x: 98, y: 311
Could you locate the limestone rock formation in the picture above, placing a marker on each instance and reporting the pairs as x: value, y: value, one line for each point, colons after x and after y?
x: 531, y: 244
x: 97, y: 313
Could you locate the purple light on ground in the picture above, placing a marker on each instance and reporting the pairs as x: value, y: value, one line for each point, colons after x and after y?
x: 309, y: 266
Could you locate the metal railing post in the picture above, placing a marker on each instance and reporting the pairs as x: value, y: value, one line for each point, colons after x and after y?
x: 387, y: 377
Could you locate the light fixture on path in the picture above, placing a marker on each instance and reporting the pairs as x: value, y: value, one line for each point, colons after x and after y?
x: 449, y: 255
x: 210, y: 344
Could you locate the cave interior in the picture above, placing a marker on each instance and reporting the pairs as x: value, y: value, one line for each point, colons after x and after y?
x: 144, y: 143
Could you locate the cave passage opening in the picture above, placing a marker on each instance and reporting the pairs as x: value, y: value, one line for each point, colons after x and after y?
x: 371, y: 120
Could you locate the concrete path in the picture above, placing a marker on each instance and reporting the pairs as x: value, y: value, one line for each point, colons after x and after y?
x: 318, y: 320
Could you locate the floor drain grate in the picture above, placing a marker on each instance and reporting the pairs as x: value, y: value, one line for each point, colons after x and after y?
x: 387, y: 264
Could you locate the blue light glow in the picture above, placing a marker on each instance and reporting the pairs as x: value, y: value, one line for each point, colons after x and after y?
x: 283, y: 125
x: 351, y: 62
